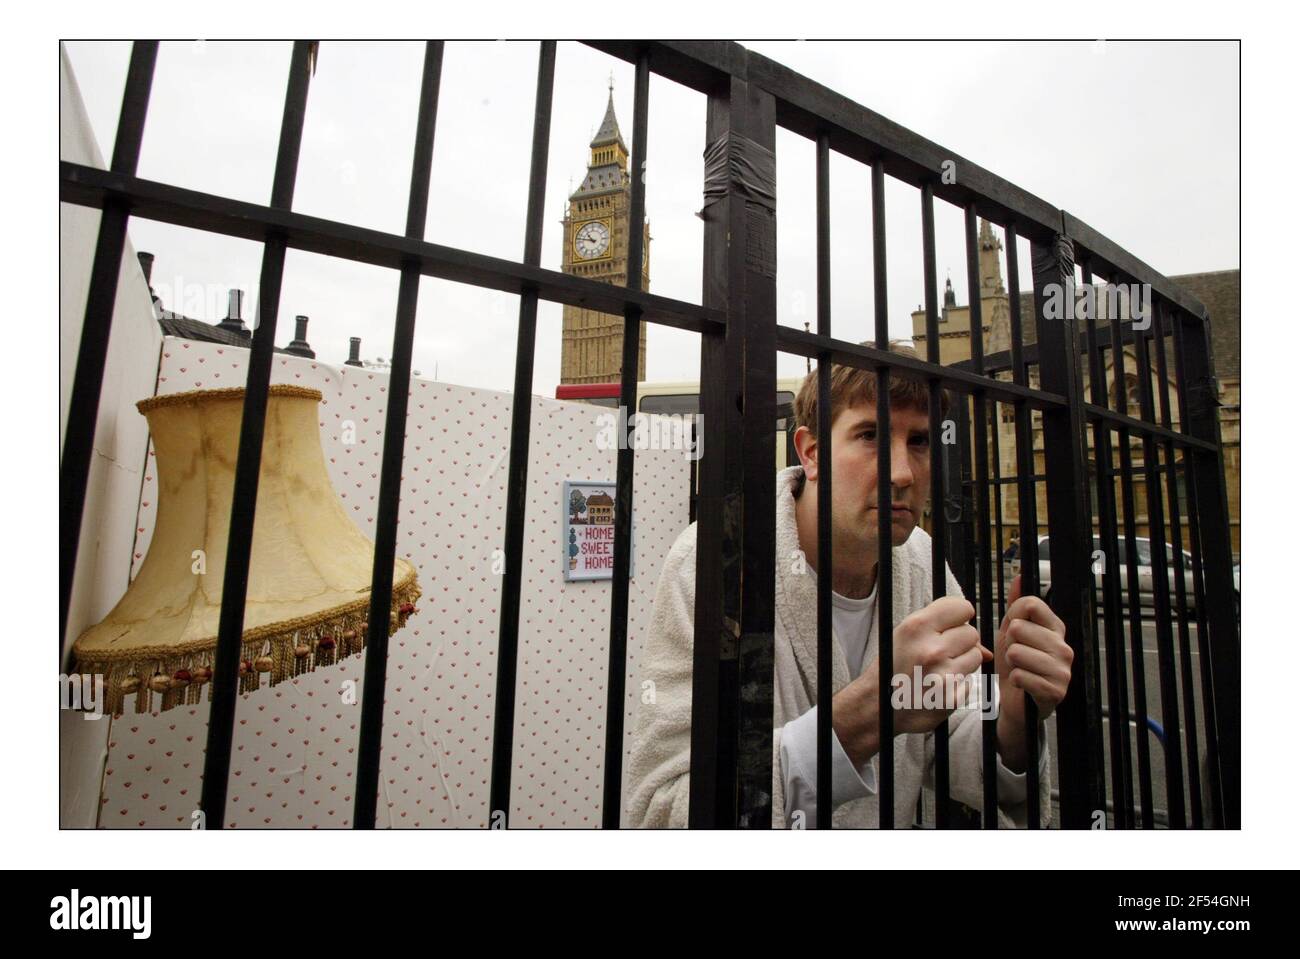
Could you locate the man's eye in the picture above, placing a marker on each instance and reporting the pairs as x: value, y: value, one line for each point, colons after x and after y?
x: 921, y: 441
x: 868, y: 435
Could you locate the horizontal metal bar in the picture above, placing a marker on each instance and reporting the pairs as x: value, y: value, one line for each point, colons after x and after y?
x: 162, y: 202
x: 1107, y: 258
x: 1003, y: 361
x: 842, y: 352
x: 810, y: 109
x: 1121, y: 421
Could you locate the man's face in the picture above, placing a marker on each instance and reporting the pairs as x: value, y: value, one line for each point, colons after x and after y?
x: 855, y: 479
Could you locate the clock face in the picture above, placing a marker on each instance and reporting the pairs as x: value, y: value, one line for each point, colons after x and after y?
x: 592, y: 240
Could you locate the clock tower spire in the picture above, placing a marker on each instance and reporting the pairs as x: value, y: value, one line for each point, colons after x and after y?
x: 595, y: 246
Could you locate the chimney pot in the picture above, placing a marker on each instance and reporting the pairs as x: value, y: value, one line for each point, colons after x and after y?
x: 354, y: 354
x: 300, y: 346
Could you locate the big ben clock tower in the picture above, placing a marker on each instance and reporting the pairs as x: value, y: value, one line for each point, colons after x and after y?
x: 595, y: 246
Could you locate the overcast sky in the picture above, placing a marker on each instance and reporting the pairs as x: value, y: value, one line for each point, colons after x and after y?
x: 1143, y: 146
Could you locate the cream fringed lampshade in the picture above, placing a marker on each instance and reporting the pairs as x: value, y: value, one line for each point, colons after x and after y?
x: 309, y: 575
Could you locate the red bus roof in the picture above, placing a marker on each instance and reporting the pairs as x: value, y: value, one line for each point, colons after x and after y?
x: 585, y: 391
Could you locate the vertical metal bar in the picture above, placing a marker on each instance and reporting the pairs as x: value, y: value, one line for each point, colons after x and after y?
x: 731, y: 771
x: 757, y: 284
x: 1198, y: 588
x: 369, y: 749
x: 824, y: 489
x: 1133, y: 595
x: 225, y: 674
x: 1180, y: 582
x: 717, y: 533
x: 962, y: 504
x: 1026, y: 506
x: 995, y: 460
x: 615, y: 705
x: 1175, y: 800
x: 1216, y: 549
x: 1116, y: 677
x: 884, y: 501
x: 503, y: 723
x: 92, y: 353
x: 939, y: 524
x: 1132, y: 585
x: 984, y: 591
x: 1070, y: 530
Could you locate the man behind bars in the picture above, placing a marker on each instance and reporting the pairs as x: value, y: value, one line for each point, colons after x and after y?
x: 932, y: 639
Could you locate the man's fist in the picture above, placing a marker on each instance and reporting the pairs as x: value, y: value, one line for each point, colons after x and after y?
x: 940, y: 640
x: 1032, y: 656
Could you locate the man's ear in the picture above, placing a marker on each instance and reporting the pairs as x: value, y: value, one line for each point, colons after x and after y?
x: 805, y: 444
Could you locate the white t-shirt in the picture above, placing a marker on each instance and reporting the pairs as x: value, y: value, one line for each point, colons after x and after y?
x: 854, y: 621
x: 854, y: 626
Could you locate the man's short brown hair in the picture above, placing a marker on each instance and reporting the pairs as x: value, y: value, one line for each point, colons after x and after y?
x: 851, y: 386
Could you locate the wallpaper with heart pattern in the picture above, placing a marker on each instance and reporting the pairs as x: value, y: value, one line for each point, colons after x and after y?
x: 295, y: 745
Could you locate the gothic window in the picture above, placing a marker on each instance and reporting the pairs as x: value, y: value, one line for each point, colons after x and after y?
x: 1129, y: 394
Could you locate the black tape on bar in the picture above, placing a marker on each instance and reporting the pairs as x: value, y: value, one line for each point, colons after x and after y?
x: 751, y: 171
x: 744, y: 167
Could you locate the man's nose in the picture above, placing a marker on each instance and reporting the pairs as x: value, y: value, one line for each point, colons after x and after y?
x: 900, y: 466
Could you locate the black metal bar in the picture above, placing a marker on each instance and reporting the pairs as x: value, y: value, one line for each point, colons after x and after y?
x: 825, y: 638
x: 717, y: 569
x: 1198, y: 590
x: 1133, y: 594
x: 1002, y: 361
x: 503, y: 721
x: 1133, y: 591
x: 809, y: 109
x: 938, y: 522
x: 1070, y: 530
x: 884, y: 503
x: 202, y: 211
x: 984, y: 592
x: 1180, y: 581
x: 369, y: 745
x: 1216, y: 550
x: 1026, y: 507
x: 617, y: 684
x: 953, y: 377
x: 1116, y: 679
x: 1160, y: 586
x: 1110, y: 260
x: 92, y: 353
x: 961, y: 524
x: 995, y: 460
x: 1113, y: 420
x: 225, y: 674
x: 732, y: 735
x: 753, y: 304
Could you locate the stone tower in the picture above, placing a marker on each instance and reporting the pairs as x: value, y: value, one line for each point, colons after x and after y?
x: 994, y: 302
x: 595, y: 246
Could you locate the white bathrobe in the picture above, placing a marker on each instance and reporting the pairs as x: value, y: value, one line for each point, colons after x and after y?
x: 658, y: 784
